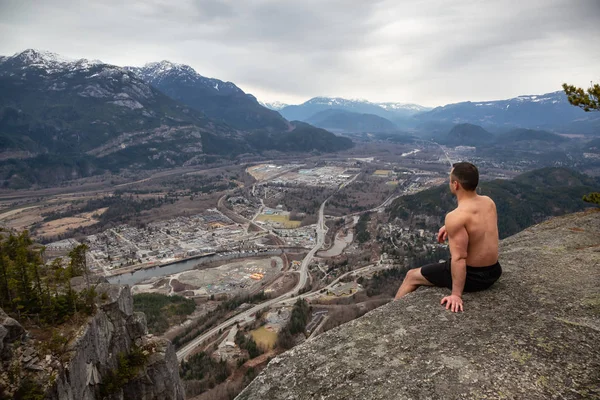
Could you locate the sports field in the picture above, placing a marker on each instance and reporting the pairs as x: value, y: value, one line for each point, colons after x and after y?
x: 382, y: 172
x: 264, y: 338
x: 282, y: 219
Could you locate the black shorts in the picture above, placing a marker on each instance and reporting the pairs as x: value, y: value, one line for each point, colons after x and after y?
x: 478, y: 278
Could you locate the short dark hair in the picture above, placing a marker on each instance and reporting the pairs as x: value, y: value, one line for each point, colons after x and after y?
x: 466, y: 174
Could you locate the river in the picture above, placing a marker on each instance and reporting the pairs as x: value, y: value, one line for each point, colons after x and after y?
x: 138, y: 276
x: 340, y: 243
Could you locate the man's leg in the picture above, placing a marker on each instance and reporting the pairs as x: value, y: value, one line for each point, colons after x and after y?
x: 412, y: 281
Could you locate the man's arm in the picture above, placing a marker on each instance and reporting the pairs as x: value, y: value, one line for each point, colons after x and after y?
x: 459, y: 241
x: 442, y: 234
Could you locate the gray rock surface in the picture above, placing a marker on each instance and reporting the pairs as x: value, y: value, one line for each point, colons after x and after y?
x: 3, y: 335
x: 114, y: 329
x: 161, y: 377
x: 14, y: 330
x: 10, y: 331
x: 534, y: 335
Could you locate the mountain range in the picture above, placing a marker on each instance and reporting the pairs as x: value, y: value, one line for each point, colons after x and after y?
x: 63, y: 119
x: 475, y: 135
x: 550, y: 111
x: 391, y: 111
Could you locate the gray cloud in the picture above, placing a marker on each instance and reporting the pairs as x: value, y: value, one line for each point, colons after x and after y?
x: 427, y: 51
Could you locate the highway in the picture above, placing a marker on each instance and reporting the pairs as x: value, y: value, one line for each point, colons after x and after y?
x: 438, y: 145
x: 333, y: 283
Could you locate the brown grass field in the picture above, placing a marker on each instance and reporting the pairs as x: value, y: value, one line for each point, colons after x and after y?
x: 62, y: 225
x: 282, y: 219
x: 264, y: 338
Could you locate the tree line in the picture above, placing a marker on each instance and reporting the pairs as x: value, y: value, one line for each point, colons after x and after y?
x: 248, y: 344
x: 362, y: 232
x: 162, y: 310
x: 41, y: 292
x: 296, y: 324
x: 203, y: 369
x: 212, y: 317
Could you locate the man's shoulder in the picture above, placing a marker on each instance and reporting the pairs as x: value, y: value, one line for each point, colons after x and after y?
x: 456, y: 216
x: 487, y: 200
x: 485, y: 197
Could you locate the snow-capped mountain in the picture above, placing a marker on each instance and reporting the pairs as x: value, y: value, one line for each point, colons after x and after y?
x: 548, y: 111
x: 84, y: 78
x: 45, y: 62
x: 274, y: 105
x: 163, y: 72
x: 391, y: 111
x: 337, y: 101
x: 306, y: 110
x: 103, y: 114
x: 215, y: 98
x: 403, y: 107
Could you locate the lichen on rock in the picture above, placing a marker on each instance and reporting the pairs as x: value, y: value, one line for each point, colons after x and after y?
x: 534, y: 335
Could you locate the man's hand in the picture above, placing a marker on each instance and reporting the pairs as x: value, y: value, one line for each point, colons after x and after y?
x: 453, y: 303
x: 442, y: 234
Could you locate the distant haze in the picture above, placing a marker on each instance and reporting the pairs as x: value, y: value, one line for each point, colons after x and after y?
x: 429, y: 52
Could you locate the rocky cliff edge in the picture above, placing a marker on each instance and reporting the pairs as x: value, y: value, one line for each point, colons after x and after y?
x: 534, y: 335
x: 89, y: 367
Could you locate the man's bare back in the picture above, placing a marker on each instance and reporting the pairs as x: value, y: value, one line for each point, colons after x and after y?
x: 478, y: 215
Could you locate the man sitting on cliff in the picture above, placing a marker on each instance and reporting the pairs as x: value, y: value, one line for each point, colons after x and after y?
x: 472, y: 230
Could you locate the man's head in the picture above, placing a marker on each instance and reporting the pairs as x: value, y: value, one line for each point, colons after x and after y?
x: 464, y: 176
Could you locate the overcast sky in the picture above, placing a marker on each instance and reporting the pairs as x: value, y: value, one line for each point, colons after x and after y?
x: 430, y: 52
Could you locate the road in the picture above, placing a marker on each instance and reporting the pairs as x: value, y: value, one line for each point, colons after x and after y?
x: 445, y: 153
x: 438, y: 145
x: 98, y: 263
x: 333, y: 283
x: 321, y: 230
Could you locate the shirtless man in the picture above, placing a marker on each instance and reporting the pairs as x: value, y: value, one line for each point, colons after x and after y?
x: 472, y: 230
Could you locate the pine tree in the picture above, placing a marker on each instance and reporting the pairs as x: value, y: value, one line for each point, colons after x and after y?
x: 78, y: 264
x: 28, y: 288
x: 587, y: 100
x: 593, y: 198
x: 5, y: 297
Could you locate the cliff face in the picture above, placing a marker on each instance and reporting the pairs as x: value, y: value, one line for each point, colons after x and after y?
x: 89, y: 360
x: 534, y: 335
